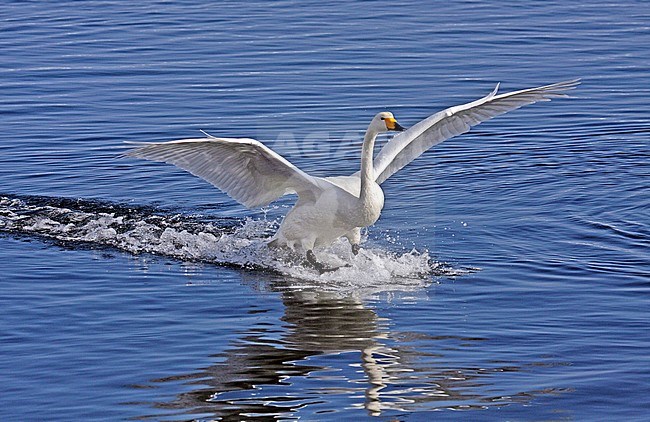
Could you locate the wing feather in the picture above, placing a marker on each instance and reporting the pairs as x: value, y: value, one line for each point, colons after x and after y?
x: 245, y: 169
x: 410, y: 144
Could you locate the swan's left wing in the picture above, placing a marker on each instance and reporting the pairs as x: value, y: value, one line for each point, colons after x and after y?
x: 245, y: 169
x: 410, y: 144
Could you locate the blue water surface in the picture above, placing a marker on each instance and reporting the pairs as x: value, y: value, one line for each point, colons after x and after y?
x: 539, y: 219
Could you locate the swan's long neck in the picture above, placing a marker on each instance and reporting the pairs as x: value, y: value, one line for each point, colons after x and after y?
x: 367, y: 167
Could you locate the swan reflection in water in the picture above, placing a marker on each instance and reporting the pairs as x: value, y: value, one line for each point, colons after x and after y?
x: 332, y: 352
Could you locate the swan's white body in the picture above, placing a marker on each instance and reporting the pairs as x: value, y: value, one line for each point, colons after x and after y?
x: 341, y: 206
x: 330, y: 207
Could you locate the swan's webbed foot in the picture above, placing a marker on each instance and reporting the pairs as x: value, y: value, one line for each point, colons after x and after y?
x: 356, y: 248
x: 311, y: 260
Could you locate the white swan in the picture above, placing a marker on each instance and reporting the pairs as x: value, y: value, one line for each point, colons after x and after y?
x: 330, y: 207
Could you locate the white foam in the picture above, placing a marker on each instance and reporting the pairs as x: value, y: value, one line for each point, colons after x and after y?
x: 242, y: 245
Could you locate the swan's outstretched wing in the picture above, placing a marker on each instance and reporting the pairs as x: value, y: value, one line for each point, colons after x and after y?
x: 245, y: 169
x: 410, y: 144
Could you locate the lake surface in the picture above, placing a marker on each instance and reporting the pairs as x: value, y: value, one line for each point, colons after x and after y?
x: 507, y: 279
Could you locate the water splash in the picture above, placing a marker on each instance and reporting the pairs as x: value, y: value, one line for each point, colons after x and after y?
x: 227, y: 242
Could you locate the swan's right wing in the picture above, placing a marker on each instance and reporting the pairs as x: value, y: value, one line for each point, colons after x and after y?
x: 410, y: 144
x: 245, y: 169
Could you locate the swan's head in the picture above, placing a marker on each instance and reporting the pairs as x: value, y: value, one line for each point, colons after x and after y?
x: 385, y: 121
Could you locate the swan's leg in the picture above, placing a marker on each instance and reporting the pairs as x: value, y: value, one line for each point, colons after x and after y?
x: 284, y: 252
x: 354, y: 237
x: 311, y: 259
x: 308, y: 245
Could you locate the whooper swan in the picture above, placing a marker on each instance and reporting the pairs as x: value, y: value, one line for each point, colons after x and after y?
x: 330, y: 207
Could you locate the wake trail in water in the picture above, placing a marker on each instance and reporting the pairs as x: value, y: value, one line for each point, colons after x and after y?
x: 225, y: 241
